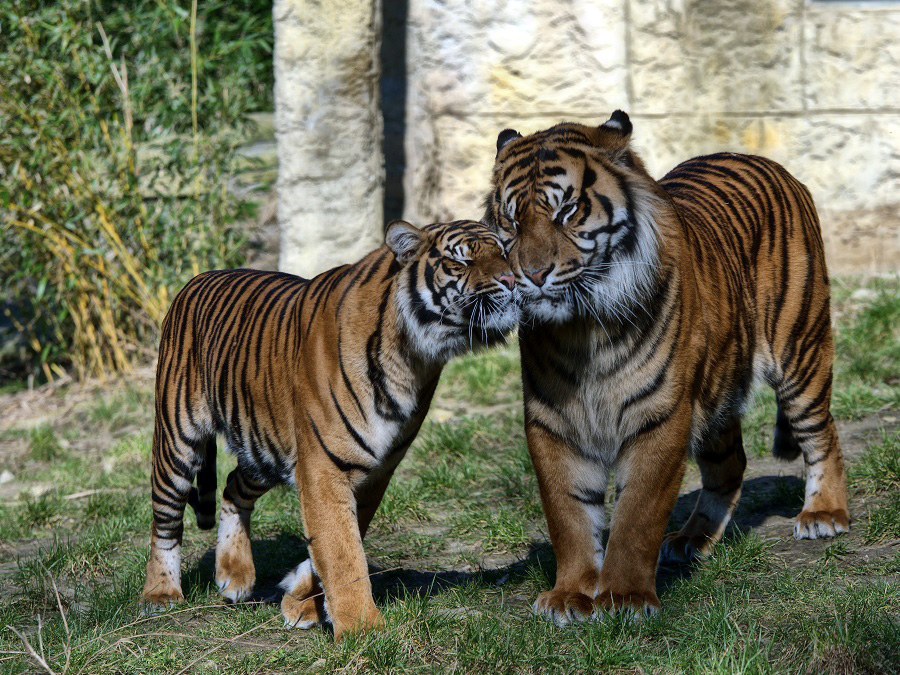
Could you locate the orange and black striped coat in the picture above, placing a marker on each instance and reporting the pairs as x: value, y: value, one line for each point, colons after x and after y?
x: 322, y: 384
x: 649, y: 310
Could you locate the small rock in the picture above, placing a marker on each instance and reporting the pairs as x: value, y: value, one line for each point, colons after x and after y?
x: 440, y: 415
x: 6, y: 476
x: 863, y: 295
x: 39, y: 490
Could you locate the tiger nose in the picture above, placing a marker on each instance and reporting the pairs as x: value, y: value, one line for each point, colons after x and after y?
x: 538, y: 276
x: 507, y: 280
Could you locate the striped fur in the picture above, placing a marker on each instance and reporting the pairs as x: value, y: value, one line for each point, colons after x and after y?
x: 322, y: 384
x: 650, y: 308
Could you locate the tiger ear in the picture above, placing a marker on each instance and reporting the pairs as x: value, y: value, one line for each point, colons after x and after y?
x: 404, y: 240
x: 614, y: 134
x: 505, y: 137
x: 618, y: 123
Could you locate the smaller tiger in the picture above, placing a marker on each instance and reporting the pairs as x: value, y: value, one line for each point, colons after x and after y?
x: 321, y: 384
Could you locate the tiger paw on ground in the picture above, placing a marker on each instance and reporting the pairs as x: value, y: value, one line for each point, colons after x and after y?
x: 235, y: 577
x: 160, y: 599
x: 683, y: 548
x: 303, y: 613
x: 821, y: 524
x: 563, y: 607
x: 636, y: 604
x: 303, y: 604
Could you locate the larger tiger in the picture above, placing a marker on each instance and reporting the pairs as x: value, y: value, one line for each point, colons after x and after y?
x: 650, y: 308
x: 321, y: 384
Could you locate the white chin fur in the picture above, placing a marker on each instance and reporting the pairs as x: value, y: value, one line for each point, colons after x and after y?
x: 505, y: 320
x: 547, y: 311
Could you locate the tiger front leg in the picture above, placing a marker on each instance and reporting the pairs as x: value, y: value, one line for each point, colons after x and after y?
x: 329, y: 511
x: 303, y: 604
x: 650, y: 470
x: 572, y: 492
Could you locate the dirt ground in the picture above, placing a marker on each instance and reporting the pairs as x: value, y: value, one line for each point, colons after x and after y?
x: 761, y: 509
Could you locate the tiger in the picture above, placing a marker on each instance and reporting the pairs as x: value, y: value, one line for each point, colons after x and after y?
x: 321, y: 384
x: 650, y: 309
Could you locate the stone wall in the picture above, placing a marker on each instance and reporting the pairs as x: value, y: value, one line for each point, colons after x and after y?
x: 812, y: 85
x: 328, y: 130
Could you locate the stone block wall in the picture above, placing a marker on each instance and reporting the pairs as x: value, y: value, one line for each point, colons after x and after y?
x: 328, y: 130
x: 811, y: 84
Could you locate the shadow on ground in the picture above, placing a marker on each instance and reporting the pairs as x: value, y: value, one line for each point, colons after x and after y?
x: 762, y: 498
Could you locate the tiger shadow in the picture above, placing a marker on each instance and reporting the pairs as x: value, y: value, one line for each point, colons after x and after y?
x: 762, y: 497
x: 276, y: 556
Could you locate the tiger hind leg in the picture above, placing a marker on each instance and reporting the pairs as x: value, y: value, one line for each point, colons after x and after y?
x: 202, y: 499
x: 722, y: 462
x: 235, y: 571
x: 804, y: 399
x: 175, y: 463
x: 825, y: 510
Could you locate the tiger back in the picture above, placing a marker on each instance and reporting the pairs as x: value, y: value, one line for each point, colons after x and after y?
x: 654, y: 307
x: 321, y: 384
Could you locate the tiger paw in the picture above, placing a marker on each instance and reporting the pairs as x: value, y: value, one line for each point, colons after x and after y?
x: 369, y: 619
x: 563, y: 607
x: 160, y: 599
x: 235, y: 577
x: 303, y: 604
x: 303, y: 613
x: 634, y: 603
x: 821, y: 524
x: 682, y: 548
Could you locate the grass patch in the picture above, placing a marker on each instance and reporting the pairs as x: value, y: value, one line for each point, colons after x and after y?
x: 43, y: 445
x: 879, y: 467
x: 877, y: 474
x: 485, y: 378
x: 867, y: 348
x: 461, y: 551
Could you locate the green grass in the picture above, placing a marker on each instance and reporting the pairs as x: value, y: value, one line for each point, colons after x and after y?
x: 867, y: 349
x: 43, y: 445
x: 458, y: 551
x: 118, y: 142
x: 877, y: 474
x: 486, y: 378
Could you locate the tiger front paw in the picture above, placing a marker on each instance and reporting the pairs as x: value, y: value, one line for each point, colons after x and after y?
x: 235, y: 576
x: 821, y: 524
x: 636, y: 604
x: 683, y: 548
x: 563, y: 607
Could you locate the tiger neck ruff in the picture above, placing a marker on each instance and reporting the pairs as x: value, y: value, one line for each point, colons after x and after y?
x: 319, y: 383
x: 649, y: 309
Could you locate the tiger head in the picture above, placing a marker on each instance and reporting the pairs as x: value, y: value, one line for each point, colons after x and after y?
x: 456, y: 289
x: 576, y: 211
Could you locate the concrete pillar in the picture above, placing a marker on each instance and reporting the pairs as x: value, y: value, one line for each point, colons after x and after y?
x: 328, y: 128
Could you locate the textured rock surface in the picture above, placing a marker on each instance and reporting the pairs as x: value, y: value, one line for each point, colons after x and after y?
x: 853, y: 57
x: 811, y: 85
x: 715, y: 55
x: 328, y: 130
